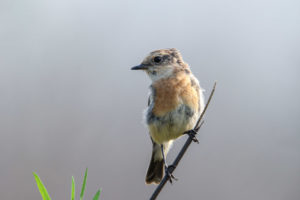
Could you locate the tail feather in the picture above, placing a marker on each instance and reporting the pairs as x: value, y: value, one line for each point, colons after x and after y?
x: 156, y: 166
x: 155, y: 171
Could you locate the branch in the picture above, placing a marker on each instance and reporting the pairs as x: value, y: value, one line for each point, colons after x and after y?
x: 183, y: 149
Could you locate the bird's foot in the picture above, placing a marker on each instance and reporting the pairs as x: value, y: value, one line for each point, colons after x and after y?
x: 168, y: 170
x: 192, y: 134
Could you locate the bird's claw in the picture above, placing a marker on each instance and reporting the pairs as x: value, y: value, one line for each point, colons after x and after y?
x: 169, y: 174
x: 192, y: 134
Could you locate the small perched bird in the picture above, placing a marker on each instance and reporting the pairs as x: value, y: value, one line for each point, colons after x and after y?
x: 174, y: 105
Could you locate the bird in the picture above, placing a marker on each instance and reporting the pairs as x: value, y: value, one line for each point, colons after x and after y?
x: 174, y: 105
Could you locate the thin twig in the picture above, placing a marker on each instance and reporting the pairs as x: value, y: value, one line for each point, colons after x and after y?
x: 183, y: 149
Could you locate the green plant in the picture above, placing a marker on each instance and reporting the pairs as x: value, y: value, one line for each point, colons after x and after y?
x: 45, y: 194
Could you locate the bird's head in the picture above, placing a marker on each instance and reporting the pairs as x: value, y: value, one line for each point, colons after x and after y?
x: 161, y: 63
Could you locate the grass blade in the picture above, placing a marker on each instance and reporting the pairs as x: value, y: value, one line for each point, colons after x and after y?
x: 73, y: 189
x: 83, y: 184
x: 41, y: 187
x: 96, y: 197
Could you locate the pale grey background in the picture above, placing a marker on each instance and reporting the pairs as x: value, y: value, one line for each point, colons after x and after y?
x: 69, y: 100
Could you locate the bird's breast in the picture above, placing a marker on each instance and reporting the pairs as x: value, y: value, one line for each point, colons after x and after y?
x: 168, y: 94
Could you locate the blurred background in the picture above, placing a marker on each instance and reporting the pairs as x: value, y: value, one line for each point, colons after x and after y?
x: 69, y: 99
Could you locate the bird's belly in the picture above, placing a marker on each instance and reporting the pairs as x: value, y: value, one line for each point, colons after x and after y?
x: 171, y: 125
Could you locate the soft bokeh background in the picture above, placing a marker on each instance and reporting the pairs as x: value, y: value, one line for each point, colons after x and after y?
x: 69, y: 100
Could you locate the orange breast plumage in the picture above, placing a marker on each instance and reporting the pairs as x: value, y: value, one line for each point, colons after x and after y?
x: 169, y: 93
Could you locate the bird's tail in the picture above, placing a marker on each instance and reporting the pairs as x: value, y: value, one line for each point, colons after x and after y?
x: 156, y: 166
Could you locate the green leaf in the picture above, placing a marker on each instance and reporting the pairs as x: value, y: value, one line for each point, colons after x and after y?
x: 73, y: 189
x: 83, y: 184
x: 42, y: 188
x: 96, y: 197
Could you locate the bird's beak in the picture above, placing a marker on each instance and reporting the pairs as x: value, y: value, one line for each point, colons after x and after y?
x: 139, y: 67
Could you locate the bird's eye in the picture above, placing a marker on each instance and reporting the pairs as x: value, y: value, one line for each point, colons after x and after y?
x: 157, y: 59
